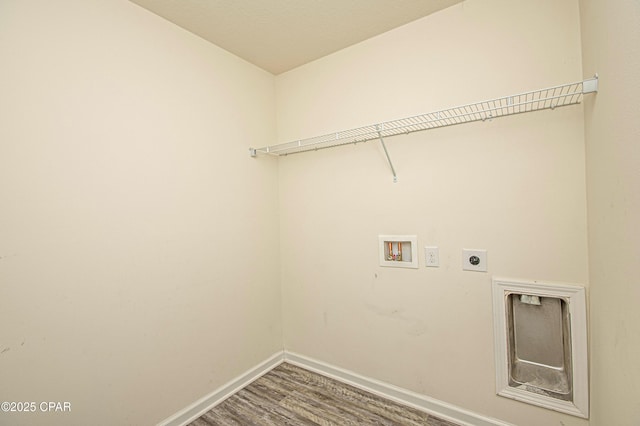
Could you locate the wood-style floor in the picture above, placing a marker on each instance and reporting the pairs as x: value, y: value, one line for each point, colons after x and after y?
x: 289, y: 395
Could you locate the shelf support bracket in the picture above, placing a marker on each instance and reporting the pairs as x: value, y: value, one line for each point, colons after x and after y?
x: 393, y: 170
x: 590, y: 85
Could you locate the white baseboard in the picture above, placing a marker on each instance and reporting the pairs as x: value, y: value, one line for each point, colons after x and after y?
x: 207, y: 402
x: 420, y: 402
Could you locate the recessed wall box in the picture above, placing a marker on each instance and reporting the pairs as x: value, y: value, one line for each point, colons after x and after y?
x: 398, y: 251
x: 540, y: 334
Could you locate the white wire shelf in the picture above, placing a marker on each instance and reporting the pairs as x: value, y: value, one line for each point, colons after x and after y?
x: 549, y: 98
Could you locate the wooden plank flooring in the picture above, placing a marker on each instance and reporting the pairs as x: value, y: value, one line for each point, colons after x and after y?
x: 290, y: 395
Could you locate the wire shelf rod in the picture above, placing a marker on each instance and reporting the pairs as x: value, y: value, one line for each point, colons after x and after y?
x: 535, y: 100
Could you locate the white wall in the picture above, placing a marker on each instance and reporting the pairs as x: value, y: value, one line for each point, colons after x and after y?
x: 611, y: 46
x: 127, y: 200
x: 514, y: 186
x: 129, y: 209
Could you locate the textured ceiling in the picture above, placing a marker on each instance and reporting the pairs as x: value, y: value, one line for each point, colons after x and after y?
x: 279, y: 35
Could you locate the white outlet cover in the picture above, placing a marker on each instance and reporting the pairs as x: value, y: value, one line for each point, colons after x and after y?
x: 476, y: 255
x: 431, y: 256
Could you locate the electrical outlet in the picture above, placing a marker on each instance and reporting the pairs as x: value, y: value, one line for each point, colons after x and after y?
x: 474, y: 260
x: 431, y: 257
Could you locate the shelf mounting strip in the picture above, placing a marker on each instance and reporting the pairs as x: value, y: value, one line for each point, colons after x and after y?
x: 549, y: 98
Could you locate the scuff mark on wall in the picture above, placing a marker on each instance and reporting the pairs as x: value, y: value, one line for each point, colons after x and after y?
x: 373, y: 281
x: 417, y: 327
x: 7, y: 349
